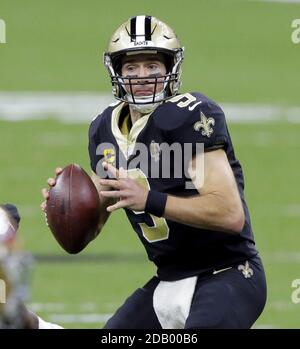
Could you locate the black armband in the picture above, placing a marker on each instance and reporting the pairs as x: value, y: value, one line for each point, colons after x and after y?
x: 156, y: 203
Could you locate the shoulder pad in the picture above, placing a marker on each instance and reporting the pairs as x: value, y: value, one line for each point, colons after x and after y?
x: 184, y: 109
x: 106, y: 112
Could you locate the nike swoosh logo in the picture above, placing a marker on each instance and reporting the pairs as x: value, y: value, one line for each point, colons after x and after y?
x: 220, y: 271
x: 194, y: 106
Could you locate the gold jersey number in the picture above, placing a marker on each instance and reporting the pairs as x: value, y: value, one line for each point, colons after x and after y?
x: 160, y: 229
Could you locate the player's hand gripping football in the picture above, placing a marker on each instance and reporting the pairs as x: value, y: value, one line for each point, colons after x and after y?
x: 45, y: 191
x: 130, y: 193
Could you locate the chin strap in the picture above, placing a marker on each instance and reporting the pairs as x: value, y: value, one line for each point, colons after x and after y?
x: 140, y: 103
x: 145, y: 108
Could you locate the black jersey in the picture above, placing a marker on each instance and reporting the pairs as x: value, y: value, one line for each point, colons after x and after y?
x: 181, y: 124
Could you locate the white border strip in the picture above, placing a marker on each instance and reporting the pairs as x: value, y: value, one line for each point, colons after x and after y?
x: 282, y: 1
x: 84, y: 106
x: 79, y: 318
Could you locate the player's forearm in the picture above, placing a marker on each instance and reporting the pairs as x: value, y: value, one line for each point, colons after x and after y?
x: 210, y: 212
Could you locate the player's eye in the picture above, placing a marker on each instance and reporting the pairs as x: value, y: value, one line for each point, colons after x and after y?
x: 153, y: 67
x: 130, y: 68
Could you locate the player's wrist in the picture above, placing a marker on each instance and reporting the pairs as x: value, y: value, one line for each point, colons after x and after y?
x: 156, y: 203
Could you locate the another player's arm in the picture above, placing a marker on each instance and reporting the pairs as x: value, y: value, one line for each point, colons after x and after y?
x: 219, y: 206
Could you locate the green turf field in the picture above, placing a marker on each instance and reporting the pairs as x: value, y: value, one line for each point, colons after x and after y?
x: 236, y: 51
x: 267, y: 152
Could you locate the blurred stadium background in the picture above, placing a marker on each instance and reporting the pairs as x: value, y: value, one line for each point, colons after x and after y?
x: 52, y: 83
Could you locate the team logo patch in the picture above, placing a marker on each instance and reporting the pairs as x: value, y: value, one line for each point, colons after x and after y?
x: 155, y: 150
x: 109, y: 155
x: 205, y: 124
x: 246, y: 270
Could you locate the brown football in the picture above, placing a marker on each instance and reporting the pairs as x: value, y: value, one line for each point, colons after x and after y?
x: 73, y: 209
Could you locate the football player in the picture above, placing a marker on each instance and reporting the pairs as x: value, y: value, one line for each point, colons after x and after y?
x: 15, y: 268
x: 196, y: 229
